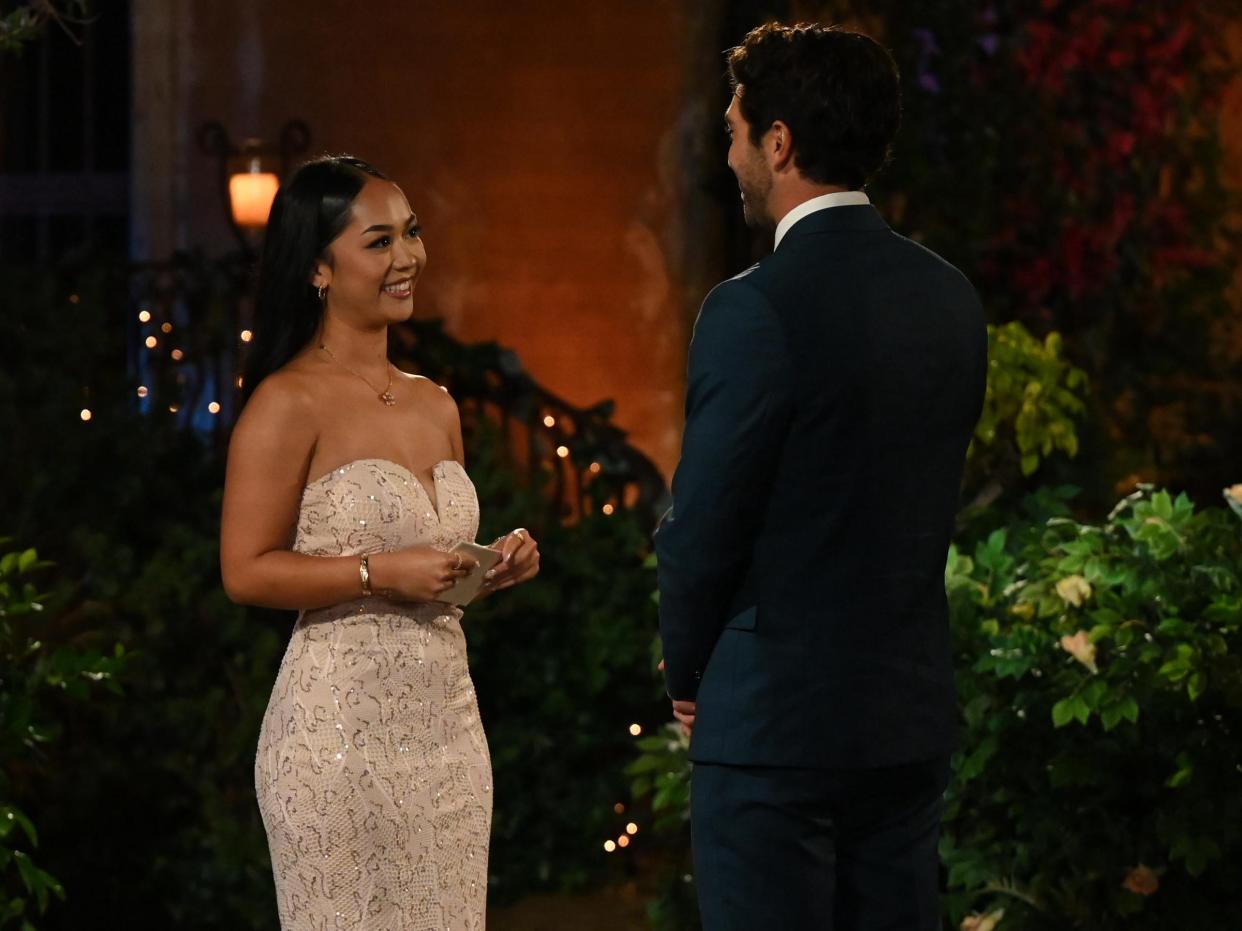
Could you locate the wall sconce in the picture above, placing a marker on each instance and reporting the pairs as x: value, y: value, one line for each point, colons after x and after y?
x: 250, y: 175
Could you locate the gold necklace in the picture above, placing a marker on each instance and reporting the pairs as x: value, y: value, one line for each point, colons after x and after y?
x: 386, y: 395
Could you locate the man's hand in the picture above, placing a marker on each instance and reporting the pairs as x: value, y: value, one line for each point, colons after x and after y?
x: 683, y: 711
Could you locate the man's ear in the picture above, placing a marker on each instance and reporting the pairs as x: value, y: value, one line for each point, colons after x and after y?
x: 778, y: 147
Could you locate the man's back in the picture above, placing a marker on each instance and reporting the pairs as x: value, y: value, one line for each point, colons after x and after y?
x: 836, y: 652
x: 831, y: 396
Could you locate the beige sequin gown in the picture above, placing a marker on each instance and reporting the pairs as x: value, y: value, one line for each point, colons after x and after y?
x: 372, y: 772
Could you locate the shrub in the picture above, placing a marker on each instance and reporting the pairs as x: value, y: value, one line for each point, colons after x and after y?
x: 39, y: 677
x: 1100, y: 674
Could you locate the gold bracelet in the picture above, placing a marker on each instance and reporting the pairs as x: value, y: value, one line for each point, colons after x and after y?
x: 364, y: 573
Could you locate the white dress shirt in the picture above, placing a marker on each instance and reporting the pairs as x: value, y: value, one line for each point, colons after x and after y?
x: 823, y: 202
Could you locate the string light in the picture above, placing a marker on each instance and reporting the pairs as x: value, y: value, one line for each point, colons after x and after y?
x: 214, y: 407
x: 608, y: 509
x: 631, y: 828
x: 549, y: 421
x: 173, y: 408
x: 86, y: 414
x: 166, y: 327
x: 73, y: 298
x: 610, y: 846
x: 618, y: 808
x: 635, y: 729
x: 177, y: 355
x: 144, y: 316
x: 562, y: 451
x: 142, y: 391
x: 239, y: 381
x: 623, y: 841
x: 151, y: 342
x: 246, y: 336
x: 595, y: 467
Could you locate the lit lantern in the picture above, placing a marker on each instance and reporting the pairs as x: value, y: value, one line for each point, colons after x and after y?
x: 249, y: 175
x: 251, y: 194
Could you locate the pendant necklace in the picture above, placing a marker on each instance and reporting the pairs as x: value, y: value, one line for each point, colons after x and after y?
x: 386, y: 395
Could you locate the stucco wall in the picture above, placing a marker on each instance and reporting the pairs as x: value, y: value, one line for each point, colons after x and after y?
x: 537, y: 141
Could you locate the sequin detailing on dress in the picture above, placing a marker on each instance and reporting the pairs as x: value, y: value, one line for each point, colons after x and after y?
x: 372, y: 773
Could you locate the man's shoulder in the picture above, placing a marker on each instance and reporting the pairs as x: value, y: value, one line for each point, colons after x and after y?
x: 931, y: 261
x: 744, y: 289
x: 747, y: 294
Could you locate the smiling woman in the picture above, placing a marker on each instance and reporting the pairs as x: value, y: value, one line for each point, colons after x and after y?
x: 345, y: 498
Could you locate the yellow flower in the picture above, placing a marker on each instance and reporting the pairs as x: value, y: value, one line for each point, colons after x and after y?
x: 1233, y: 494
x: 1142, y: 880
x: 1081, y: 648
x: 982, y: 922
x: 1024, y: 610
x: 1074, y: 590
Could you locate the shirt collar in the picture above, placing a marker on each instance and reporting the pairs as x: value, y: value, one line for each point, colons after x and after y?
x: 823, y: 202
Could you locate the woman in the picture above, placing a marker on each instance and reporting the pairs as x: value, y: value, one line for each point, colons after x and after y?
x: 345, y: 493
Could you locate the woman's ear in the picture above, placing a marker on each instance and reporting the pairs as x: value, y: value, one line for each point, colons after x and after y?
x: 321, y: 274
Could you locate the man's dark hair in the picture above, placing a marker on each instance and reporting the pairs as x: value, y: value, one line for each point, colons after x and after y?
x: 837, y: 91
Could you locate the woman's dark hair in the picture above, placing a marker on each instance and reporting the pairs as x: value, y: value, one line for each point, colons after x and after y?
x: 310, y: 210
x: 837, y: 91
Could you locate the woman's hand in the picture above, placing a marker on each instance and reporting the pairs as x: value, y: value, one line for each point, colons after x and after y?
x: 418, y: 573
x: 519, y: 560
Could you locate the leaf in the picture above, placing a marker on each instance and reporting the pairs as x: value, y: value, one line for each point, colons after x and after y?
x: 1063, y: 712
x: 10, y: 816
x: 1196, y: 685
x: 1185, y: 770
x: 1081, y: 710
x: 1162, y: 505
x: 27, y: 559
x: 1111, y: 716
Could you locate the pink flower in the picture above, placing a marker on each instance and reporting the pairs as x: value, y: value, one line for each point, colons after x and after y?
x: 1081, y: 648
x: 1141, y: 880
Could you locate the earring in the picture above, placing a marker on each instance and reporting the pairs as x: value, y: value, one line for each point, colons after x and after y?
x: 322, y: 291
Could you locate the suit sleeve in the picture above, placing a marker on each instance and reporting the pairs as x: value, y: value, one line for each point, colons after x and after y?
x: 738, y: 399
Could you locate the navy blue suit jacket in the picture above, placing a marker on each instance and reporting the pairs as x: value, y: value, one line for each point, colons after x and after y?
x: 833, y: 390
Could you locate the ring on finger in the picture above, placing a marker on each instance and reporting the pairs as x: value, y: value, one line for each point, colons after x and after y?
x: 457, y: 565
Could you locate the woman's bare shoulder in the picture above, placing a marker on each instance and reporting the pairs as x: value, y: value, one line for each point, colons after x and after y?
x: 282, y: 408
x: 428, y: 391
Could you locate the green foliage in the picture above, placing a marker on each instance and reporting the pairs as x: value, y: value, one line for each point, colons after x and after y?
x: 662, y: 771
x: 1034, y: 398
x: 1100, y: 675
x: 25, y: 23
x: 40, y: 675
x: 560, y: 667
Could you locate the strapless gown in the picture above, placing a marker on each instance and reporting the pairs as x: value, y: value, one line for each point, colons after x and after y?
x: 372, y: 774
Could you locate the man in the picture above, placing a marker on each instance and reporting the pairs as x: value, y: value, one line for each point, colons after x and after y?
x: 833, y: 389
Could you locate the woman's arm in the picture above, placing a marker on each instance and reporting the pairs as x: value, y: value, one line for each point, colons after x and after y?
x: 269, y: 455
